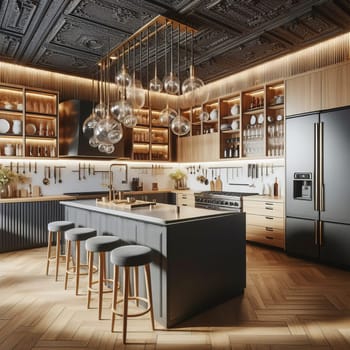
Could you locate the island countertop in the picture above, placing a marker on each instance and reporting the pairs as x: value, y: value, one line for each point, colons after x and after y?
x: 161, y: 214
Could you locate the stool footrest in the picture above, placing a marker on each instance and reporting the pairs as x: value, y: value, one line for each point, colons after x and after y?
x: 114, y: 310
x: 94, y: 290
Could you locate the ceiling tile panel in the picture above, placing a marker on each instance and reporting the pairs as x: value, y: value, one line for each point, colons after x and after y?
x: 9, y: 45
x: 60, y: 61
x: 18, y: 14
x: 122, y: 15
x: 84, y: 36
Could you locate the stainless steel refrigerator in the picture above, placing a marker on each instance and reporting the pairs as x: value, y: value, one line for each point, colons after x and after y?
x: 318, y: 186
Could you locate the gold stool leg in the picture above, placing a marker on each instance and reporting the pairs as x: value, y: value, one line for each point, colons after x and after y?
x: 115, y: 295
x: 136, y: 284
x: 58, y: 252
x: 68, y: 254
x: 90, y: 272
x: 126, y: 297
x: 100, y: 282
x: 49, y: 245
x: 149, y: 291
x: 77, y: 270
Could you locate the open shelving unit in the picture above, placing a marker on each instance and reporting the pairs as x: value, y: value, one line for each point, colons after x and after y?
x: 29, y: 122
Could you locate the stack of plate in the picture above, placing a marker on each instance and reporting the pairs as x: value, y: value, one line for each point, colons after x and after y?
x: 4, y: 126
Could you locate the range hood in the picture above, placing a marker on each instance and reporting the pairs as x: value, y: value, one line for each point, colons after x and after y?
x: 73, y: 143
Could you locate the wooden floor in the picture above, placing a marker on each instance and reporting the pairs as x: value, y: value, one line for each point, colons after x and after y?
x: 288, y: 304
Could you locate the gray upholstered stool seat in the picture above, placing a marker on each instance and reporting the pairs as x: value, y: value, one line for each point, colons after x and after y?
x: 131, y: 255
x: 127, y: 257
x: 56, y: 227
x: 80, y: 233
x: 100, y: 245
x: 76, y: 235
x: 59, y: 226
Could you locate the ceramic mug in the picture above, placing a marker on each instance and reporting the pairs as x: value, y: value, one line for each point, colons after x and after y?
x: 17, y: 127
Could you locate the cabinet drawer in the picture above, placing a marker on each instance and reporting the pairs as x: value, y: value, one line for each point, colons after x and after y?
x: 264, y: 208
x: 268, y: 241
x: 265, y: 221
x: 261, y: 235
x: 185, y: 199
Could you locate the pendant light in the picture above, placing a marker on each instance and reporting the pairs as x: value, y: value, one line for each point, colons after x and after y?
x: 108, y: 130
x: 171, y: 82
x: 91, y: 121
x: 192, y: 86
x: 122, y: 108
x: 135, y: 93
x: 156, y: 84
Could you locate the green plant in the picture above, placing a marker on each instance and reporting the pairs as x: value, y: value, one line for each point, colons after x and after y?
x: 8, y: 176
x: 178, y: 175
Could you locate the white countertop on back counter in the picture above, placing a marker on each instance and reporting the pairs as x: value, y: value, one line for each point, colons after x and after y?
x: 160, y: 213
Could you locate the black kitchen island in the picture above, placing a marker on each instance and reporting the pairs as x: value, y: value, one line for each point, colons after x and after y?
x: 199, y: 254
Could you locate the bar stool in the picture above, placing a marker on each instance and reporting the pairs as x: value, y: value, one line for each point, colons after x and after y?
x: 76, y: 235
x: 100, y: 245
x: 56, y: 227
x: 131, y: 256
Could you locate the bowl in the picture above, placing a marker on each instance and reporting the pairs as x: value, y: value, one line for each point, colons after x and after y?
x: 214, y: 114
x: 235, y: 125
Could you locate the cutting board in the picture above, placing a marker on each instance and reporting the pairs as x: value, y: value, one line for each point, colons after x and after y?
x: 123, y: 204
x: 218, y: 184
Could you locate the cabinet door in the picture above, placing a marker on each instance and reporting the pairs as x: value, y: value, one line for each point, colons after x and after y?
x: 184, y: 149
x: 301, y: 238
x: 335, y: 244
x: 335, y: 86
x: 303, y: 93
x: 205, y: 147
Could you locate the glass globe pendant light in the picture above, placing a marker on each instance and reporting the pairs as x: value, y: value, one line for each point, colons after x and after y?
x: 192, y: 86
x: 135, y: 93
x: 171, y: 82
x: 180, y: 125
x: 156, y: 84
x: 167, y: 115
x: 91, y: 121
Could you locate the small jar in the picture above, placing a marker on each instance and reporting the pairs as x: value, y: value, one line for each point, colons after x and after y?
x: 9, y: 150
x: 17, y: 127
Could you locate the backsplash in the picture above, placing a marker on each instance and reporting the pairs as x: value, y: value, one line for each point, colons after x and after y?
x: 68, y: 175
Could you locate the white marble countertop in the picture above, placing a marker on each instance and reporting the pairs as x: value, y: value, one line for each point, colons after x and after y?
x: 160, y: 213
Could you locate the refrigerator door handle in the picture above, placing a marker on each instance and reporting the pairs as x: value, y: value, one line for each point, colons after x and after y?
x: 321, y: 168
x: 321, y: 232
x: 316, y: 166
x: 316, y: 232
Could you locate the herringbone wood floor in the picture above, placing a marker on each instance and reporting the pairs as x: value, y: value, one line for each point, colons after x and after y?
x: 288, y: 304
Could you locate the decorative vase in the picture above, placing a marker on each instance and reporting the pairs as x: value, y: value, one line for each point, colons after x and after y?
x: 4, y: 191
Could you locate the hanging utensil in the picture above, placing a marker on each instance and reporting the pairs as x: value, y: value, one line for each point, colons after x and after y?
x: 59, y: 175
x: 46, y: 181
x: 24, y: 168
x: 35, y: 168
x: 54, y: 174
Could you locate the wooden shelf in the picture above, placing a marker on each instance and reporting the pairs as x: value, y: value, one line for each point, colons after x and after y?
x: 236, y: 116
x: 254, y: 111
x: 276, y: 106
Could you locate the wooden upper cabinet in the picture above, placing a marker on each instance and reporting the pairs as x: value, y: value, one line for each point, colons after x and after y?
x: 303, y: 93
x: 200, y: 148
x: 335, y: 86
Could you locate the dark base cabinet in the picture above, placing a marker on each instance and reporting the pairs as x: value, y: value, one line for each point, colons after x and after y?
x: 24, y: 225
x: 197, y: 263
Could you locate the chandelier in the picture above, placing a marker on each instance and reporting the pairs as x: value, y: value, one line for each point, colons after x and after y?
x: 137, y: 62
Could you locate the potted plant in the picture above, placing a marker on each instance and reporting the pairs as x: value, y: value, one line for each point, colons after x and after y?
x: 8, y: 179
x: 180, y: 179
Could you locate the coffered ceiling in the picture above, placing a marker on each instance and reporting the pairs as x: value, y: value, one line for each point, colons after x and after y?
x: 70, y: 36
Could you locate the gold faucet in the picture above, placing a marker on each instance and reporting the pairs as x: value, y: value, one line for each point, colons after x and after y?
x: 110, y: 185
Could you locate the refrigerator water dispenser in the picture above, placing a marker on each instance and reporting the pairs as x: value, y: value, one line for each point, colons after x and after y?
x: 302, y: 186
